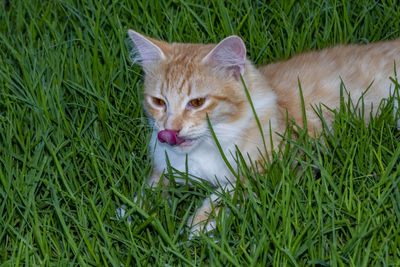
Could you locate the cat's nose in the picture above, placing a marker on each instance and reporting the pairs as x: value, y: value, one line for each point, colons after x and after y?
x: 170, y: 137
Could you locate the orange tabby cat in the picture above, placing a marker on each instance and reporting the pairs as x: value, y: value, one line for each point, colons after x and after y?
x: 184, y: 82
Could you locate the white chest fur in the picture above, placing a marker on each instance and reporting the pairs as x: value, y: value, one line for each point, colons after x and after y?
x: 204, y: 161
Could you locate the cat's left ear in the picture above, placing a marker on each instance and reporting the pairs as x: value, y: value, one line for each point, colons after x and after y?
x: 229, y: 55
x: 147, y: 50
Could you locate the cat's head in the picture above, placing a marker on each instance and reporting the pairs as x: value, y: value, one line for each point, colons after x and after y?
x: 184, y: 82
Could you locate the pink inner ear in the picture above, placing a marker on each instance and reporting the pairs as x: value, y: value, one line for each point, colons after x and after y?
x: 146, y: 51
x: 229, y: 55
x: 239, y: 49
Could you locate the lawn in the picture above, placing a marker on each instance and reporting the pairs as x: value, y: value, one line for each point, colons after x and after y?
x: 73, y: 142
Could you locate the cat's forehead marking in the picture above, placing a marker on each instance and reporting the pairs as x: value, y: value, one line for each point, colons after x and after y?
x: 179, y: 77
x: 181, y: 73
x: 178, y: 83
x: 179, y: 90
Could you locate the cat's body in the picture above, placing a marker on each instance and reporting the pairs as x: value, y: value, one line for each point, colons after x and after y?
x: 184, y: 82
x: 321, y: 73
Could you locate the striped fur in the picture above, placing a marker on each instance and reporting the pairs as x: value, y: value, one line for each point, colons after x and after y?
x: 178, y: 73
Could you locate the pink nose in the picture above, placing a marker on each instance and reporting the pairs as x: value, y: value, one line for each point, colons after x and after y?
x: 170, y: 137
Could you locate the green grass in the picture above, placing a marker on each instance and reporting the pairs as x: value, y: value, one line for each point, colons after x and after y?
x: 73, y: 142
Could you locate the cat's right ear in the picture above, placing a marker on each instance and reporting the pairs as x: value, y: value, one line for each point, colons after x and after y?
x: 145, y: 51
x: 228, y: 55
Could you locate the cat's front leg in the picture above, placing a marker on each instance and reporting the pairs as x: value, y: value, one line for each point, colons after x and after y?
x: 155, y: 178
x: 204, y: 219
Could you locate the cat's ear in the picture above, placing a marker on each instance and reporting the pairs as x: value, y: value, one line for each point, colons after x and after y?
x: 229, y: 55
x: 146, y: 50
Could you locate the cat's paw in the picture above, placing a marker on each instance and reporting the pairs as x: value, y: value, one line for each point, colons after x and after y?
x: 139, y: 199
x: 120, y: 214
x: 202, y: 227
x: 202, y: 221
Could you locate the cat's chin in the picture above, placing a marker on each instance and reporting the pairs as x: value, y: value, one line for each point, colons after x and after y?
x: 184, y: 147
x: 187, y: 145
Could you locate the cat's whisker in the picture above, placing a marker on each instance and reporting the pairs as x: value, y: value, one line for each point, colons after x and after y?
x: 234, y: 132
x: 244, y: 138
x: 226, y: 136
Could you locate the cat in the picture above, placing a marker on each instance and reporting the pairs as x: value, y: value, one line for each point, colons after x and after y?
x: 185, y: 83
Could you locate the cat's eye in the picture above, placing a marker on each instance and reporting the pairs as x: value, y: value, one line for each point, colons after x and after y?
x: 158, y: 102
x: 197, y: 102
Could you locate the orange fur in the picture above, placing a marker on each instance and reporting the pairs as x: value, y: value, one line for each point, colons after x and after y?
x: 320, y: 74
x: 182, y: 72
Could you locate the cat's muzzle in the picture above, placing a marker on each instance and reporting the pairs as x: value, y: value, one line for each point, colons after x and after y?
x: 170, y: 137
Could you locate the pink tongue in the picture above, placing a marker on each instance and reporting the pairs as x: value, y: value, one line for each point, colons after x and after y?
x: 169, y: 136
